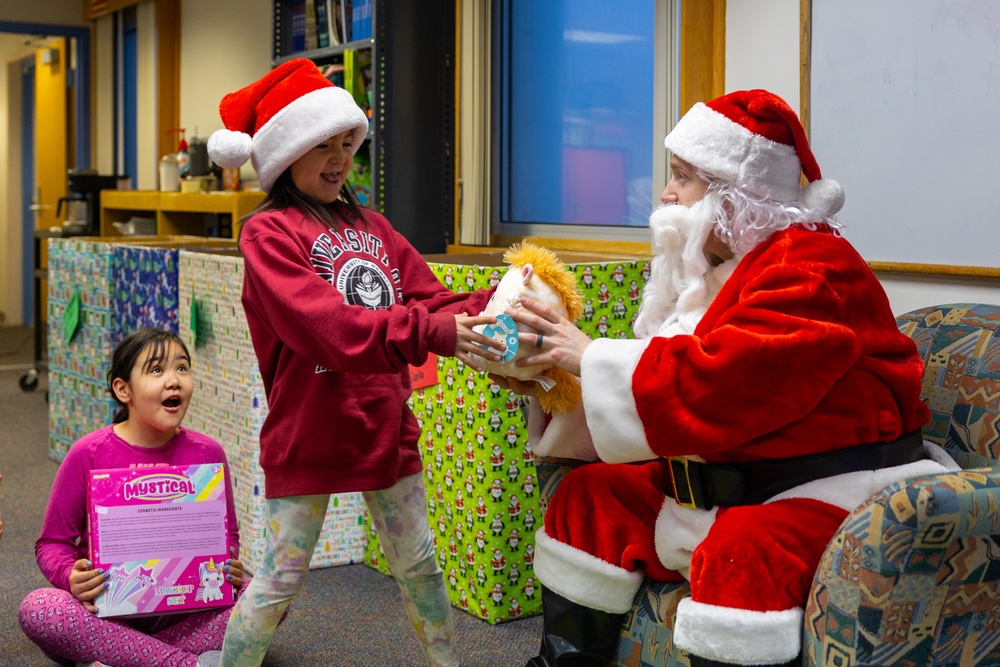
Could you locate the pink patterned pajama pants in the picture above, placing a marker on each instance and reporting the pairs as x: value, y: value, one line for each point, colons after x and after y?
x: 67, y: 633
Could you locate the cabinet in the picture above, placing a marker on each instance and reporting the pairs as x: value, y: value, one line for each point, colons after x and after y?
x: 411, y: 142
x: 179, y: 213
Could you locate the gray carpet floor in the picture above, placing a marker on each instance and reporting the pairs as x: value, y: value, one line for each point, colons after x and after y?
x: 346, y: 616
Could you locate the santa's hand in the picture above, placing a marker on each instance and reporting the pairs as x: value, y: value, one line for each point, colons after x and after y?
x: 520, y: 387
x: 469, y: 342
x: 558, y: 342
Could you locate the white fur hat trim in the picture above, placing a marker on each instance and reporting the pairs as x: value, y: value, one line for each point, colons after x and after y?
x: 301, y: 125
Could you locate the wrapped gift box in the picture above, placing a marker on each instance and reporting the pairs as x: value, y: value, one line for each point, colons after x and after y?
x: 482, y: 485
x: 229, y: 405
x: 122, y: 285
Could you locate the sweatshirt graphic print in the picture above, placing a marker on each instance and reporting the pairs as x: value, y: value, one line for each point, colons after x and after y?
x: 360, y: 280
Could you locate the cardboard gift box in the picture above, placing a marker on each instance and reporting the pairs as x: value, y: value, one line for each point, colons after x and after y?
x: 229, y: 405
x: 162, y: 535
x: 101, y: 289
x: 482, y: 484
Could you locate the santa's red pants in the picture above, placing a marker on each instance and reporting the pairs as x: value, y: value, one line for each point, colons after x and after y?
x: 755, y: 558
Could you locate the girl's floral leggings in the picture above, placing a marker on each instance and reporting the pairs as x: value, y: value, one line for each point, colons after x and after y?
x: 294, y: 523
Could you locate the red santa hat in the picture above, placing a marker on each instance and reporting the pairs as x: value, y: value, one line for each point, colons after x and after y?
x: 753, y: 139
x: 277, y: 119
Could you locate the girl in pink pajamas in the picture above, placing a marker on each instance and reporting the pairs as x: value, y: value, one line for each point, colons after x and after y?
x: 150, y: 377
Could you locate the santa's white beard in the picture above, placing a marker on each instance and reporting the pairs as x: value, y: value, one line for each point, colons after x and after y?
x: 681, y: 282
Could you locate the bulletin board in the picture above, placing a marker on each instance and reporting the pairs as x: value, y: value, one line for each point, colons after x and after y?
x: 904, y: 111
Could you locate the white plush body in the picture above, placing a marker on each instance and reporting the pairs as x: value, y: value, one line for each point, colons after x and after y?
x: 517, y: 282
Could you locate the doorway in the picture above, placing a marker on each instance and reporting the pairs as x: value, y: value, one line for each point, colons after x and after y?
x: 23, y: 135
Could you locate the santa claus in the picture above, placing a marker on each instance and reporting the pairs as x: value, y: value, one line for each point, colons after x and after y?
x: 767, y: 394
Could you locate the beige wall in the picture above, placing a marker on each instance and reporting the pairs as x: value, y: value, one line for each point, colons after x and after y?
x: 216, y: 62
x: 776, y: 68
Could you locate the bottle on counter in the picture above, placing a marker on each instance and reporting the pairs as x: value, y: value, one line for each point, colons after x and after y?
x: 198, y: 162
x: 170, y: 175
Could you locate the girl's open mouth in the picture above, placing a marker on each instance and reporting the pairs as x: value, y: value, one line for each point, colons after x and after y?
x: 173, y: 402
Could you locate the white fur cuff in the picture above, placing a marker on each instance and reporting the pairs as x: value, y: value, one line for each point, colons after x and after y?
x: 738, y: 635
x: 606, y: 379
x: 582, y: 578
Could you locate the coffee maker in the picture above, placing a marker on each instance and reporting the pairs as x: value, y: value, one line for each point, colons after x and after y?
x: 83, y: 198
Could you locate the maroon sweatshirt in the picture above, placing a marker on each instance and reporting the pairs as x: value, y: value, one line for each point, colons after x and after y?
x: 336, y: 317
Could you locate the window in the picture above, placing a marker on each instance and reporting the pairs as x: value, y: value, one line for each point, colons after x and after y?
x: 575, y: 142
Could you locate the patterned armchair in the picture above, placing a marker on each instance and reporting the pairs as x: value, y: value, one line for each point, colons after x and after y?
x: 913, y: 575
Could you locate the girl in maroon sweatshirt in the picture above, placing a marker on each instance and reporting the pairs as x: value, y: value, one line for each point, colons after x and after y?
x: 339, y: 306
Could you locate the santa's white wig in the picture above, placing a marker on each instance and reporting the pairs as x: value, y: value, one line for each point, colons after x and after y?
x: 744, y: 219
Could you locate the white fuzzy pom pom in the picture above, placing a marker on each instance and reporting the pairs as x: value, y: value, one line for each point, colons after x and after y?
x: 229, y: 149
x: 824, y: 195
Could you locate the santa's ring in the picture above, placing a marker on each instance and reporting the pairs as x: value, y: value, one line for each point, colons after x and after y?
x: 538, y: 342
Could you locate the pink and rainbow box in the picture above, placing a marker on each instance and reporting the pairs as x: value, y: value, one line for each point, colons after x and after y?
x: 162, y: 533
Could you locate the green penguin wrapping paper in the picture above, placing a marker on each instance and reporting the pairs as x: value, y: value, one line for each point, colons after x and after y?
x: 482, y: 485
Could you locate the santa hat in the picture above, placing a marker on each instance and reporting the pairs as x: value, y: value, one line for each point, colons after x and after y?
x: 753, y: 139
x: 277, y: 119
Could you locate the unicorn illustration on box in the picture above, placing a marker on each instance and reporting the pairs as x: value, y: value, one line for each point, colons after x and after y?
x: 211, y: 578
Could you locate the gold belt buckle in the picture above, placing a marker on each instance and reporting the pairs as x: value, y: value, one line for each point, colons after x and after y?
x: 681, y: 464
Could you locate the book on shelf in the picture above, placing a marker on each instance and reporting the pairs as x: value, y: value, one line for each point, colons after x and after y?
x: 359, y: 178
x: 298, y: 25
x: 311, y: 35
x: 322, y: 24
x: 358, y: 75
x: 361, y: 19
x: 345, y: 20
x: 332, y: 21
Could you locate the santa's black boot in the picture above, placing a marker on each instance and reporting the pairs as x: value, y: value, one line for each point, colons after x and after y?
x: 705, y: 662
x: 574, y: 635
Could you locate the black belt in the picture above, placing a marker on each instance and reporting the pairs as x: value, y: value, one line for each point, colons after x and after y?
x: 705, y: 485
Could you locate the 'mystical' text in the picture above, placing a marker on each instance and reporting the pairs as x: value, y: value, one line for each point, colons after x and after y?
x: 159, y: 487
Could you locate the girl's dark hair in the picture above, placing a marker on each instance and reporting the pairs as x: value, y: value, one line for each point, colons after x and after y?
x: 129, y: 350
x: 344, y: 211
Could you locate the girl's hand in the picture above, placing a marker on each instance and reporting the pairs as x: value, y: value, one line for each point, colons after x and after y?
x: 234, y: 569
x: 561, y: 342
x: 468, y: 341
x: 520, y: 387
x: 86, y: 584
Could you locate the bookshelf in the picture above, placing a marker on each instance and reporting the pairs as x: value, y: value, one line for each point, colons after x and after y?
x: 410, y: 94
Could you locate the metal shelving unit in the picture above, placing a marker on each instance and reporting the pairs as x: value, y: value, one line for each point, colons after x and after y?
x: 413, y: 129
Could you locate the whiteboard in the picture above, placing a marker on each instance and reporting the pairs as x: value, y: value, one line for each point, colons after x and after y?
x: 905, y: 114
